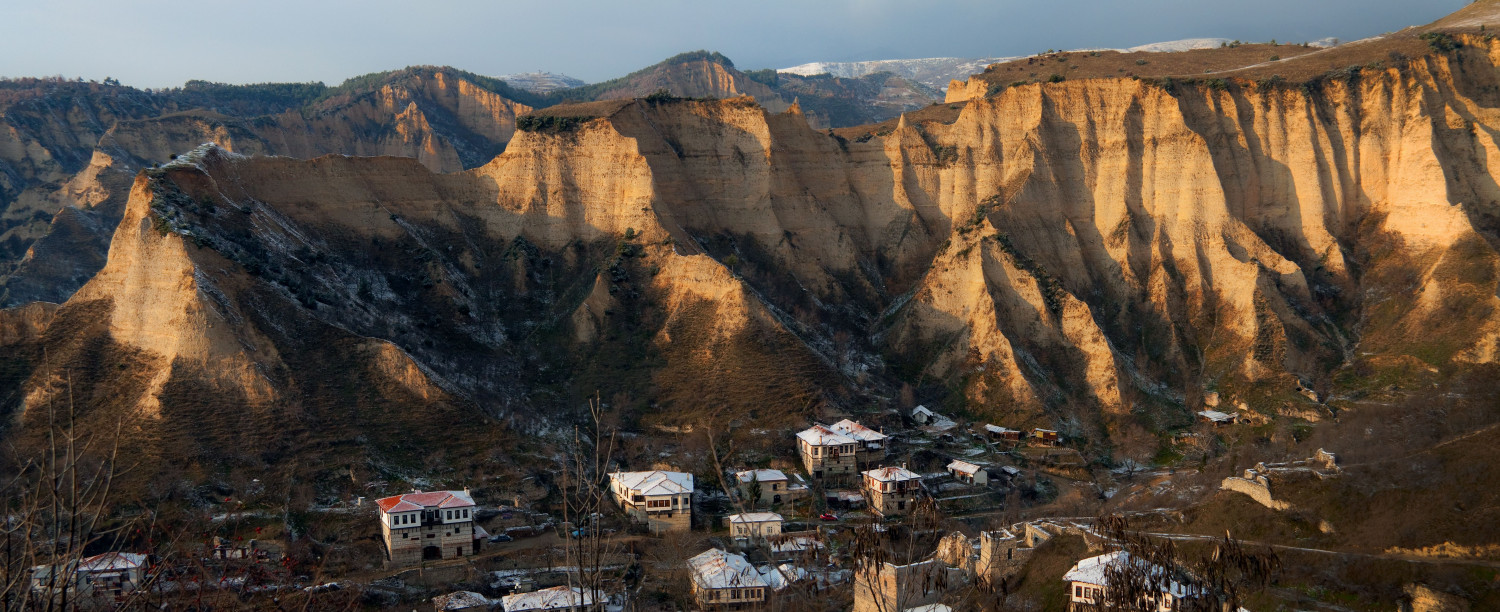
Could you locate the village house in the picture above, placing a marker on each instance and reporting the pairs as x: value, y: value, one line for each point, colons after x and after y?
x: 565, y: 598
x: 827, y: 454
x: 1088, y: 588
x: 871, y: 444
x: 1044, y: 437
x: 108, y: 576
x: 891, y: 491
x: 754, y: 525
x: 1001, y: 434
x: 775, y: 487
x: 930, y: 420
x: 662, y: 500
x: 887, y: 587
x: 427, y: 526
x: 966, y: 472
x: 726, y: 581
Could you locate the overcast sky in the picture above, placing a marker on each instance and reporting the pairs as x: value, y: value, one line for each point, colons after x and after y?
x: 164, y: 43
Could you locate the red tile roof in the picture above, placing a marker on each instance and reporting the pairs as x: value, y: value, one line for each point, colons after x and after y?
x: 419, y: 500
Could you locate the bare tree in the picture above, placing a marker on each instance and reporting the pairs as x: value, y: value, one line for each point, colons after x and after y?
x: 583, y: 479
x: 1213, y: 581
x: 57, y: 511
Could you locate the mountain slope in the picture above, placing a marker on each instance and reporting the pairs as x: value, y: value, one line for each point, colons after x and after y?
x: 1089, y: 256
x: 72, y: 175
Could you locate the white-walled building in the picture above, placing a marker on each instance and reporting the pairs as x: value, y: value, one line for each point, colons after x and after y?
x: 967, y: 472
x: 663, y: 500
x: 754, y: 525
x: 1088, y: 583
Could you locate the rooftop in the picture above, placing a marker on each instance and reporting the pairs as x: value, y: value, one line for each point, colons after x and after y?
x: 460, y: 600
x: 858, y: 432
x: 655, y: 482
x: 555, y: 598
x: 963, y: 466
x: 760, y: 475
x: 418, y: 500
x: 1218, y: 417
x: 112, y: 561
x: 716, y: 569
x: 892, y: 474
x: 755, y: 517
x: 820, y: 435
x: 1093, y: 570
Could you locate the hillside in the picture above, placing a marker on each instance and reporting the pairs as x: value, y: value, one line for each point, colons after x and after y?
x: 71, y: 149
x: 1090, y: 256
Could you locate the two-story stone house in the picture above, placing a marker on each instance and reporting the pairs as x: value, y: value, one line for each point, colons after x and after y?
x: 726, y: 581
x: 662, y: 500
x: 891, y: 491
x: 422, y: 526
x: 827, y: 454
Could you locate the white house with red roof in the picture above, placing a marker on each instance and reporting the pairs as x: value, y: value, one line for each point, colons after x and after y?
x: 426, y: 526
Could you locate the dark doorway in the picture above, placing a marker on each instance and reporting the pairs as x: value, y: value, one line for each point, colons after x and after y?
x: 431, y: 553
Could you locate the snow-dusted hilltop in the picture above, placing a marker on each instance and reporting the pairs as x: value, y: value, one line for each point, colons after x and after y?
x: 936, y: 72
x: 541, y: 82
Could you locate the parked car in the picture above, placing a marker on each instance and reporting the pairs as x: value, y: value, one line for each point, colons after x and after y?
x: 500, y: 537
x: 828, y: 516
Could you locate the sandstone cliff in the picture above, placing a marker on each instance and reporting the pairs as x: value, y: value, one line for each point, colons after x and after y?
x: 1083, y: 255
x: 70, y: 168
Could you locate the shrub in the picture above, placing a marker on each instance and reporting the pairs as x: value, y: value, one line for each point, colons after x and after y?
x: 1441, y: 42
x: 660, y: 96
x: 1217, y: 84
x: 550, y: 123
x: 1141, y: 62
x: 1056, y: 78
x: 1275, y: 58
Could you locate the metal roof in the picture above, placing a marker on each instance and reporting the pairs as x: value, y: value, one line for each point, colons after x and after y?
x: 112, y: 561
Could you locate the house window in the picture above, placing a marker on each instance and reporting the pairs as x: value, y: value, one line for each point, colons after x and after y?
x: 466, y: 513
x: 775, y: 487
x: 1077, y: 590
x: 734, y: 594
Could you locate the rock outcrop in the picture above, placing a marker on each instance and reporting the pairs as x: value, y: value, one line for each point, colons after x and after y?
x: 1069, y: 255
